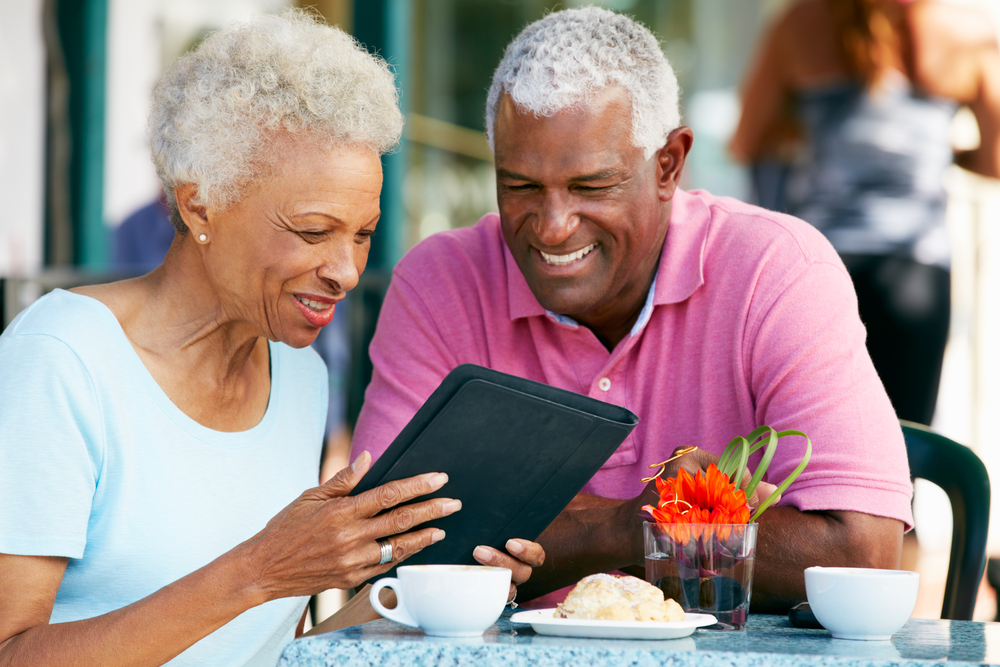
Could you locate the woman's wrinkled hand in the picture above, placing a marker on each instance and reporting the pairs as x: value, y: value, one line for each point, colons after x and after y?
x: 522, y: 556
x: 327, y: 539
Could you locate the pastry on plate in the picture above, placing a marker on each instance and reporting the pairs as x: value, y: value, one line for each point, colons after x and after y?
x: 608, y: 597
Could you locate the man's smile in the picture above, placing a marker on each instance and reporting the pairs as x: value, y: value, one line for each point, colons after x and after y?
x: 563, y: 260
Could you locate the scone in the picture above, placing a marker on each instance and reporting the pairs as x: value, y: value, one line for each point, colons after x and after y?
x: 607, y: 597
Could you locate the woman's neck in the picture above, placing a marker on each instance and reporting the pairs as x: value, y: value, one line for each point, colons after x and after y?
x: 215, y: 368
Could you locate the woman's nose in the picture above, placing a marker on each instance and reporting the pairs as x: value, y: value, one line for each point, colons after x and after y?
x: 341, y: 271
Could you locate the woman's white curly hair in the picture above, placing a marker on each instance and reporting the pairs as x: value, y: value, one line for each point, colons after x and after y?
x: 217, y: 111
x: 563, y: 59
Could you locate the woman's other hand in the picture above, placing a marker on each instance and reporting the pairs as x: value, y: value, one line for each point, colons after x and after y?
x: 327, y: 539
x: 522, y: 556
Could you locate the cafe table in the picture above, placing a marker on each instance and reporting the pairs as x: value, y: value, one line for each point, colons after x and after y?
x: 766, y: 641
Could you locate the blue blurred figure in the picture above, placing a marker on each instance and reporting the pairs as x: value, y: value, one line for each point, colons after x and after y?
x: 143, y: 238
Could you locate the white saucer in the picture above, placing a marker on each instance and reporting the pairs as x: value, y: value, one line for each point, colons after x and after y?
x: 543, y: 622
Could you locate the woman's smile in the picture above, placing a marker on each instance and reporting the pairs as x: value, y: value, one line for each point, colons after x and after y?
x: 317, y: 310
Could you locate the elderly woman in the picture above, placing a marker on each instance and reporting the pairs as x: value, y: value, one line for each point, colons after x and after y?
x: 155, y: 432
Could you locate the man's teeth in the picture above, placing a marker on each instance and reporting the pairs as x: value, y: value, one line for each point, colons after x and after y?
x: 314, y: 305
x: 563, y: 260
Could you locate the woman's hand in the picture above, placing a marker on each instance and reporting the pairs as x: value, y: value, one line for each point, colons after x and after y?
x: 327, y: 539
x: 524, y: 556
x: 324, y: 539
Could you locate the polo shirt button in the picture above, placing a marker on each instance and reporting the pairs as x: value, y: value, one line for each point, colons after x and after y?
x: 604, y: 384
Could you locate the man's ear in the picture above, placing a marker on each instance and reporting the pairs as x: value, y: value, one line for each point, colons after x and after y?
x: 192, y: 212
x: 670, y: 161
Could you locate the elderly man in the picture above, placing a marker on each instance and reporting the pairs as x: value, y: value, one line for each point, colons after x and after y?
x: 704, y: 316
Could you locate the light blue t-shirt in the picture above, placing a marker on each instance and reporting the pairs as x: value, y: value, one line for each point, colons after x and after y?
x: 98, y: 465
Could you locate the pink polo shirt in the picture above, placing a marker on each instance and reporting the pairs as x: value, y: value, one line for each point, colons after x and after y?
x: 752, y: 320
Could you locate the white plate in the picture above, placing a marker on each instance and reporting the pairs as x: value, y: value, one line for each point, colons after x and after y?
x: 542, y: 621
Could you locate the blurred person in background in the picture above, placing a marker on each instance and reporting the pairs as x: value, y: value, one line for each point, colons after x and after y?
x: 859, y: 95
x: 160, y: 437
x: 143, y: 238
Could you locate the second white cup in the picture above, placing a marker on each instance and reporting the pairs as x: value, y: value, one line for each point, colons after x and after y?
x: 445, y: 600
x: 861, y: 603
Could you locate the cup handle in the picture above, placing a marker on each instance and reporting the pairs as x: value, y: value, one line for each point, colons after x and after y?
x: 399, y: 614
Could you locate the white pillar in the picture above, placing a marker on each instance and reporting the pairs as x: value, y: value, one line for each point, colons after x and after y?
x: 22, y: 136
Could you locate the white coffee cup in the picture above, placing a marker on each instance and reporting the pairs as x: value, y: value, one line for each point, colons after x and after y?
x: 445, y: 600
x: 861, y: 603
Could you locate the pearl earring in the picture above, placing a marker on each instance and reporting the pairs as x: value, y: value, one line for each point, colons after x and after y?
x: 203, y: 237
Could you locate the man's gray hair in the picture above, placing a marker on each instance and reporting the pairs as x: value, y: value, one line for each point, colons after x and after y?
x: 217, y: 112
x: 563, y: 59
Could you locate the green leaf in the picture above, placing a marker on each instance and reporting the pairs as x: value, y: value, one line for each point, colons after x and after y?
x: 770, y: 445
x: 727, y: 463
x: 791, y: 477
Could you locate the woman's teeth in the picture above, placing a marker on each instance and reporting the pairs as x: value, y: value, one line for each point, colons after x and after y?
x: 313, y: 305
x: 563, y: 260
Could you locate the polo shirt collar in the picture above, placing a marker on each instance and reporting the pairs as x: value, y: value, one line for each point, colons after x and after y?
x: 682, y: 262
x: 679, y: 274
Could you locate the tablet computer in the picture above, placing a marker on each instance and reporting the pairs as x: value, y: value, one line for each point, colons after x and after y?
x: 516, y: 453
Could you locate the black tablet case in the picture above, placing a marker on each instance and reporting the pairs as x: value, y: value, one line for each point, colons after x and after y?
x: 516, y: 452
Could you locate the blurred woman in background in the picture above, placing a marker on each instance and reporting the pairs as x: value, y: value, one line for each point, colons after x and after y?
x: 859, y: 96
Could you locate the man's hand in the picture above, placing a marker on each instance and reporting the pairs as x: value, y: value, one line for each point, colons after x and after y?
x: 524, y: 556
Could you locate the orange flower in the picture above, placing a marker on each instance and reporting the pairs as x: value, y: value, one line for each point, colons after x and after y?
x: 692, y: 502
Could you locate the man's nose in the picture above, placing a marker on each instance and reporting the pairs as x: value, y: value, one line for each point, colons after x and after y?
x: 556, y: 221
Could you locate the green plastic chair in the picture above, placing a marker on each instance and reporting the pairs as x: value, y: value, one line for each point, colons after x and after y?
x: 956, y: 469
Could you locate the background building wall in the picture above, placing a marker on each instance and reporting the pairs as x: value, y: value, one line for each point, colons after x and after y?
x: 135, y: 59
x: 22, y: 136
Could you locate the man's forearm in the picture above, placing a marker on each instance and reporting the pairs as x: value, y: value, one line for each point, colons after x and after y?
x: 789, y: 541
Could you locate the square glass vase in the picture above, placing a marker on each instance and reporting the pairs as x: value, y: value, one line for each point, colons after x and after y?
x: 707, y: 568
